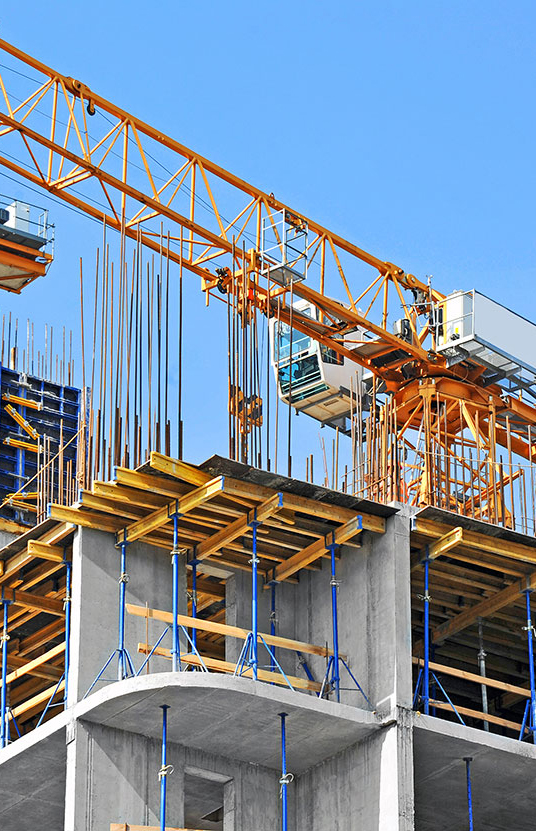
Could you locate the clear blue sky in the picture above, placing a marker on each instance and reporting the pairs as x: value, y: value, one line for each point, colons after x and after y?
x: 407, y: 127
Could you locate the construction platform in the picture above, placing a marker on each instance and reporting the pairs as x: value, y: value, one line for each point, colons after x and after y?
x: 152, y: 577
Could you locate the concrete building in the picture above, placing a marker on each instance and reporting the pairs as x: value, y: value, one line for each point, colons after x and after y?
x: 370, y: 761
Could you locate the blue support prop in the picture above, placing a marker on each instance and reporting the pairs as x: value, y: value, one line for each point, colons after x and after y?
x: 165, y: 769
x: 422, y: 687
x: 65, y: 674
x: 332, y: 677
x: 249, y: 656
x: 272, y: 617
x: 303, y: 662
x: 286, y: 777
x: 4, y: 730
x: 529, y: 717
x: 254, y: 598
x: 426, y: 668
x: 175, y: 646
x: 125, y: 666
x: 468, y: 760
x: 194, y: 562
x: 68, y: 569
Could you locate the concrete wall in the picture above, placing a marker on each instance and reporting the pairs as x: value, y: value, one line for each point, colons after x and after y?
x: 113, y: 777
x: 95, y: 593
x: 369, y: 786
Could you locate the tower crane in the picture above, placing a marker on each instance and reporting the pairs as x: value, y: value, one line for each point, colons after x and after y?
x: 434, y: 398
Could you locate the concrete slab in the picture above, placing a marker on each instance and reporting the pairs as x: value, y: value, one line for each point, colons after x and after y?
x: 32, y: 779
x: 234, y: 717
x: 502, y: 773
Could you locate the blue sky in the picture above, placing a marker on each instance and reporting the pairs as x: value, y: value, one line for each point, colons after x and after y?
x: 407, y: 127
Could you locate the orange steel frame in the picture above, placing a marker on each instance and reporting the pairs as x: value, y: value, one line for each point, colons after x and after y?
x: 428, y: 418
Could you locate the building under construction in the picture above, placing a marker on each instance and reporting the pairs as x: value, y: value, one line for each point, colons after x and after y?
x: 228, y: 645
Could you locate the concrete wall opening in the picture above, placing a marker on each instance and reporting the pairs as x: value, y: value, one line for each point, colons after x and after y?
x: 207, y: 797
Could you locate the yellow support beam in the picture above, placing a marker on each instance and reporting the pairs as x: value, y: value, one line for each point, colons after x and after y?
x: 23, y: 445
x: 54, y: 553
x: 441, y: 546
x: 22, y: 422
x: 240, y: 526
x: 36, y: 701
x: 37, y: 662
x: 478, y: 541
x: 150, y: 483
x: 35, y: 601
x: 181, y: 470
x: 162, y: 516
x: 23, y: 402
x: 317, y: 549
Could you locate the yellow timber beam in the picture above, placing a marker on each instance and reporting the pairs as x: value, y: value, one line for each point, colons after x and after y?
x: 441, y: 546
x: 240, y: 526
x: 478, y: 541
x: 22, y: 422
x: 54, y: 553
x: 23, y: 445
x: 34, y: 601
x: 22, y: 402
x: 229, y: 631
x: 162, y: 516
x: 317, y: 549
x: 485, y: 608
x: 28, y: 668
x: 53, y: 536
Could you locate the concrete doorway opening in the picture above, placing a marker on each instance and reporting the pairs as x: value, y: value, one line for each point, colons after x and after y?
x: 207, y: 800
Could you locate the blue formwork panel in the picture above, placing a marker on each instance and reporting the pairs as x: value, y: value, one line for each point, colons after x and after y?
x: 58, y: 416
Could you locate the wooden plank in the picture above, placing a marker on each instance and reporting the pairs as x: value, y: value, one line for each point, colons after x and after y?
x: 181, y: 470
x: 208, y: 587
x: 42, y: 659
x: 485, y: 608
x: 123, y: 495
x: 48, y: 673
x: 182, y: 505
x: 35, y: 601
x: 473, y: 676
x: 316, y: 549
x: 466, y: 711
x: 229, y: 631
x: 88, y: 519
x: 92, y: 502
x: 478, y: 541
x: 44, y: 551
x: 12, y: 526
x: 445, y: 543
x: 251, y: 491
x: 36, y: 700
x: 312, y: 507
x: 148, y: 482
x: 240, y: 526
x: 229, y: 668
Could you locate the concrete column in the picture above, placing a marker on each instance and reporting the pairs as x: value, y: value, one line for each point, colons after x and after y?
x: 389, y: 617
